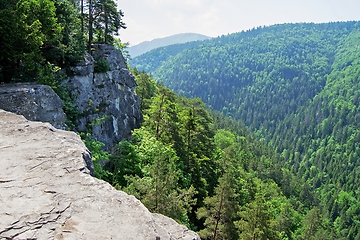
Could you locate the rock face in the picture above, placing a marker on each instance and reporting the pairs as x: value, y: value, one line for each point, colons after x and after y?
x: 46, y: 191
x: 34, y: 101
x: 107, y: 102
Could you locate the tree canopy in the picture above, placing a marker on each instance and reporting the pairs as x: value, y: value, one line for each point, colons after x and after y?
x: 42, y: 35
x: 296, y: 87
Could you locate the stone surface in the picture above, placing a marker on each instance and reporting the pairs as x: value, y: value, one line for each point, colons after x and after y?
x: 34, y: 101
x: 46, y: 192
x: 107, y: 102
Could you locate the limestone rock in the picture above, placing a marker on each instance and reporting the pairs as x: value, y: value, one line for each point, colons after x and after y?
x: 34, y: 101
x: 107, y: 101
x: 47, y: 193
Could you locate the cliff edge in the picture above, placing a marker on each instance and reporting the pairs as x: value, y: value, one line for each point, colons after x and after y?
x: 46, y: 191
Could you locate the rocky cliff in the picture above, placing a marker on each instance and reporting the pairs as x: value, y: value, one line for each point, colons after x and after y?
x: 46, y: 191
x: 108, y: 105
x: 34, y: 101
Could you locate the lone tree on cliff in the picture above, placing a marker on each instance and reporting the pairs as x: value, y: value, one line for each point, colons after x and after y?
x: 104, y: 19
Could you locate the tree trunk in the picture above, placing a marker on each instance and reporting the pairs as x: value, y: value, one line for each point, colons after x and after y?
x: 82, y: 16
x: 106, y: 27
x: 219, y: 213
x: 90, y: 26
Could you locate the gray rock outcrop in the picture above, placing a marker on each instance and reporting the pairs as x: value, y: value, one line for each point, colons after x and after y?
x: 46, y: 191
x: 34, y: 101
x: 108, y: 105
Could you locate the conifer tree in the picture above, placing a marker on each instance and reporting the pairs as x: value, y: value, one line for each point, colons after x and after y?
x: 104, y: 18
x: 256, y: 221
x: 109, y: 21
x: 157, y: 187
x: 220, y: 210
x: 163, y: 116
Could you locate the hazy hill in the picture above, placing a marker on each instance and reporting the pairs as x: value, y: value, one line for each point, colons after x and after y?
x: 161, y: 42
x: 296, y: 86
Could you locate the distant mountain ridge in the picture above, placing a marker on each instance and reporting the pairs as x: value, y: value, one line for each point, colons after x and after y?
x: 166, y: 41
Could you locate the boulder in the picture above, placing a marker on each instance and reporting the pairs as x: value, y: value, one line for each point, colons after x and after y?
x: 46, y: 191
x: 34, y: 101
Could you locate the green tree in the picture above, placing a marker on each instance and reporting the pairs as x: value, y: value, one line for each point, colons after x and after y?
x: 104, y: 18
x: 312, y: 224
x: 26, y: 27
x: 124, y: 162
x: 256, y: 219
x: 109, y: 21
x: 146, y: 88
x: 197, y: 150
x: 162, y: 115
x: 220, y: 211
x: 157, y: 187
x: 71, y: 44
x: 123, y: 48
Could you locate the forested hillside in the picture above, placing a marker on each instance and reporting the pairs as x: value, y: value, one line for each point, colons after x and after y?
x: 209, y: 172
x: 297, y: 87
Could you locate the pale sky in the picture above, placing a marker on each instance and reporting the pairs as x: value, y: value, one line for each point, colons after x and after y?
x: 150, y: 19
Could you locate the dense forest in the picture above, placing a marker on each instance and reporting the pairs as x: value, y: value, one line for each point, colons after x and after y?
x: 296, y: 86
x: 283, y: 164
x: 208, y: 172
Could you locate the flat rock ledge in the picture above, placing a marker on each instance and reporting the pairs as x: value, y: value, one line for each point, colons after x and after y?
x: 46, y: 191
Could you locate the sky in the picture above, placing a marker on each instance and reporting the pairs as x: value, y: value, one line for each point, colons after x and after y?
x: 150, y: 19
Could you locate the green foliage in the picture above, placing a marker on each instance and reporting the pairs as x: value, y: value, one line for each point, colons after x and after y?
x: 99, y: 157
x: 108, y: 20
x: 256, y: 217
x: 122, y: 47
x: 103, y: 20
x: 158, y: 187
x: 124, y: 162
x: 101, y: 66
x: 33, y: 33
x: 220, y: 208
x: 297, y: 87
x: 214, y: 171
x: 146, y: 88
x: 26, y: 27
x: 72, y: 43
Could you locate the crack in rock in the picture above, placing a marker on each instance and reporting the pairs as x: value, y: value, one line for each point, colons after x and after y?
x: 25, y: 225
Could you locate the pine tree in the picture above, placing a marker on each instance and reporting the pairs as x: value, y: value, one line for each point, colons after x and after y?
x: 256, y: 220
x: 157, y: 187
x: 104, y: 18
x: 109, y: 21
x: 220, y: 210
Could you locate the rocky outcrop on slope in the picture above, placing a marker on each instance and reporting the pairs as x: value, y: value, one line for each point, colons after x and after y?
x: 108, y: 105
x: 34, y: 101
x: 46, y: 191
